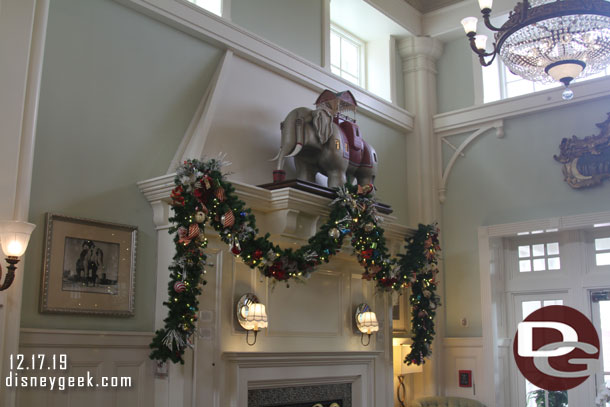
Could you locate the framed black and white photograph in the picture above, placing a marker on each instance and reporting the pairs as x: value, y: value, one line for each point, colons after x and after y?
x: 89, y: 267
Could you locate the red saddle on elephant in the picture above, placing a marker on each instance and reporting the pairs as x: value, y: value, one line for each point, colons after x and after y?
x: 359, y: 153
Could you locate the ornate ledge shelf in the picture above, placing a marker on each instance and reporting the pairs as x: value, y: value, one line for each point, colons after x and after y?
x: 285, y: 211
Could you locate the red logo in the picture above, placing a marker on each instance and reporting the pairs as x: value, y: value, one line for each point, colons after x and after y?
x: 556, y: 348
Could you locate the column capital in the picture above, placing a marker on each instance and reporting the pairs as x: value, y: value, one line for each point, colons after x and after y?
x: 416, y: 46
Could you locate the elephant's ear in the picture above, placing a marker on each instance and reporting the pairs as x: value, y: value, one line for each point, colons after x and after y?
x: 323, y: 124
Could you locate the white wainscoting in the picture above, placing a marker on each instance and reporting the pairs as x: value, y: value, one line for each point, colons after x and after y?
x: 465, y: 354
x: 99, y: 352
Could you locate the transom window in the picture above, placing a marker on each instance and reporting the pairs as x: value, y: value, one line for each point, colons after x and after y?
x: 213, y: 6
x: 539, y: 257
x: 499, y: 83
x: 602, y: 251
x: 347, y: 55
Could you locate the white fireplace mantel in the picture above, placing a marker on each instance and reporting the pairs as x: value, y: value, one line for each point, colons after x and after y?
x: 311, y: 339
x: 266, y: 370
x: 285, y: 211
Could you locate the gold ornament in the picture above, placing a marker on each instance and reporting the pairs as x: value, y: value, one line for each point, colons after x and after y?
x: 200, y: 217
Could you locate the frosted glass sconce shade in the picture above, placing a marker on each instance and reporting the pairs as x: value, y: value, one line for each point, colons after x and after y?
x: 251, y: 315
x: 256, y: 316
x: 15, y: 236
x: 470, y: 24
x: 485, y: 4
x: 366, y: 322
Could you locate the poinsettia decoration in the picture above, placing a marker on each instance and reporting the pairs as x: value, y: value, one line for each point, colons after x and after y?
x: 203, y: 196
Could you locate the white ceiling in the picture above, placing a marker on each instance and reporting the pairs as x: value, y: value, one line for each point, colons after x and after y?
x: 363, y: 20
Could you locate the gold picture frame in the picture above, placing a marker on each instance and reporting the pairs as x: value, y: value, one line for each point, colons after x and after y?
x: 88, y: 267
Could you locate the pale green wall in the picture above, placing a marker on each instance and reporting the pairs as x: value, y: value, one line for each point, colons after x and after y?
x: 455, y: 81
x: 509, y: 180
x: 295, y: 25
x: 118, y: 91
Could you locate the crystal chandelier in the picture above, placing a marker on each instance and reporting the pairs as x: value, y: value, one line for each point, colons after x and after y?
x: 547, y: 40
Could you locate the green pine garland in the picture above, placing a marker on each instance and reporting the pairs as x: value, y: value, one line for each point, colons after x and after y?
x: 202, y: 195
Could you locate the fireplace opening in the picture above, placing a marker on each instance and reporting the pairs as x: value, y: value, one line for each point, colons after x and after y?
x: 327, y: 395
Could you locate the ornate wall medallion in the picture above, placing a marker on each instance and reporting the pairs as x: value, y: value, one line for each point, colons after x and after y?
x: 586, y: 162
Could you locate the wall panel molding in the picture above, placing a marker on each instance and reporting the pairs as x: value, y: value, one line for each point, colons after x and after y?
x: 102, y: 353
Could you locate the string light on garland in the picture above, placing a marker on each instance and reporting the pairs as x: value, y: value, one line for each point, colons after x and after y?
x: 203, y: 196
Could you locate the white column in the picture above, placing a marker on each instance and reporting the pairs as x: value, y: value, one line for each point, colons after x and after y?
x: 419, y: 55
x: 22, y: 35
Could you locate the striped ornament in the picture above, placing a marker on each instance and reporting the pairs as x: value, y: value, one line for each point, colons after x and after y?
x: 179, y: 287
x: 228, y: 219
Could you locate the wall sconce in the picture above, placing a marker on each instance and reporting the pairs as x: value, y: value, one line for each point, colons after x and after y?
x: 251, y: 315
x: 366, y: 321
x: 14, y: 236
x: 401, y: 369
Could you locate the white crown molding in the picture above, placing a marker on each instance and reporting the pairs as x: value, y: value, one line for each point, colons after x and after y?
x: 59, y: 338
x: 459, y: 121
x: 586, y: 220
x: 197, y: 22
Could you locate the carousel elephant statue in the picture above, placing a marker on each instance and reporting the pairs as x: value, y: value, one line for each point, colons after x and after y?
x: 319, y: 144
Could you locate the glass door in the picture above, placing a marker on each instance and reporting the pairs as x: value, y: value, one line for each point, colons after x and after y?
x: 531, y: 395
x: 600, y: 307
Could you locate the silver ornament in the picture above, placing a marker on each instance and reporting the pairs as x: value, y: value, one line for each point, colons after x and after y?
x: 334, y: 233
x: 369, y: 227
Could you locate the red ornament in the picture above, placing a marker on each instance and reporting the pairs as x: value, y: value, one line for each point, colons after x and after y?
x: 220, y: 193
x: 257, y: 254
x: 236, y: 249
x: 179, y: 287
x: 203, y: 189
x: 176, y: 195
x: 367, y: 254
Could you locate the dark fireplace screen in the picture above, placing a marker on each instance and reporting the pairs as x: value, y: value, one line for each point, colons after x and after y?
x: 328, y: 395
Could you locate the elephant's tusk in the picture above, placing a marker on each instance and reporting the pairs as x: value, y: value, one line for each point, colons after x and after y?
x: 297, y: 150
x: 277, y: 156
x: 575, y: 172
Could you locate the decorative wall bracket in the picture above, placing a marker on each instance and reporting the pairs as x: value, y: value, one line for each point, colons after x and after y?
x: 459, y: 151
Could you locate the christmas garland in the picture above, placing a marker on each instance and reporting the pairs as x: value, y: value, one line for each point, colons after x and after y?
x: 202, y: 195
